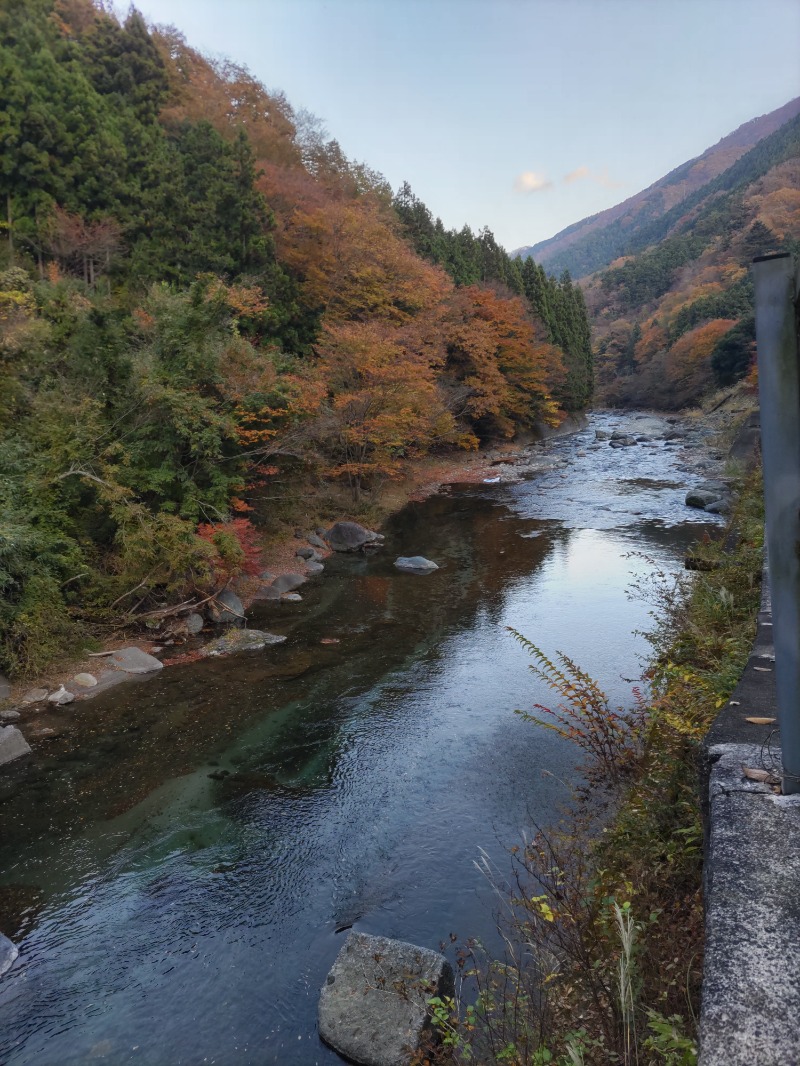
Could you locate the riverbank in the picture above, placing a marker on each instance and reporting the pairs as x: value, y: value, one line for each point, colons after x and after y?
x: 499, y: 462
x: 278, y: 557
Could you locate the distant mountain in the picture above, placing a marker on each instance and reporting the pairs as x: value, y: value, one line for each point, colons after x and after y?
x: 595, y: 242
x: 673, y: 318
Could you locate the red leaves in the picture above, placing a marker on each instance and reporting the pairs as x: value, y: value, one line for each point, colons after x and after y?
x: 236, y: 545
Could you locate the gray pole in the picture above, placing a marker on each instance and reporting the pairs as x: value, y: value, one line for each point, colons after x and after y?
x: 776, y: 288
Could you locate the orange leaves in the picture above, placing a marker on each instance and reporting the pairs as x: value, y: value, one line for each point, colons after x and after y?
x: 246, y: 301
x: 780, y: 211
x: 355, y: 266
x: 236, y: 548
x: 493, y: 350
x: 384, y: 405
x: 277, y: 406
x: 689, y: 359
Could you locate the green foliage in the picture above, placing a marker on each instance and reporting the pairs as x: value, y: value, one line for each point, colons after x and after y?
x: 651, y: 274
x: 734, y: 352
x: 736, y: 301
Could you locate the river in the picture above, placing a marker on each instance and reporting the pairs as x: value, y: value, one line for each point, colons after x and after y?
x: 170, y: 913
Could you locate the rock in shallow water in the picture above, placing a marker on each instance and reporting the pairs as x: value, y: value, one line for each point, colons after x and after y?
x: 416, y: 564
x: 36, y: 695
x: 288, y: 582
x: 701, y: 498
x: 61, y: 697
x: 373, y: 1007
x: 351, y: 537
x: 241, y: 640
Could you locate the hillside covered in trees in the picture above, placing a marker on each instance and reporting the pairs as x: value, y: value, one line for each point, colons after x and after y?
x: 673, y: 318
x: 630, y: 226
x: 206, y: 308
x: 676, y: 320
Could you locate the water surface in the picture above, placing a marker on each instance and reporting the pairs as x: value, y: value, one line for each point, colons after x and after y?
x: 170, y: 913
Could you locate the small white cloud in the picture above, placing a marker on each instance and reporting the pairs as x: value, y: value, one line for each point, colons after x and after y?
x: 600, y: 177
x: 576, y: 175
x: 531, y: 181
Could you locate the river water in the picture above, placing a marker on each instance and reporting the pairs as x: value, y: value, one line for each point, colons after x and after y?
x: 169, y: 913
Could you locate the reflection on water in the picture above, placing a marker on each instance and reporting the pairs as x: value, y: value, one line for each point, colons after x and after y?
x: 177, y: 880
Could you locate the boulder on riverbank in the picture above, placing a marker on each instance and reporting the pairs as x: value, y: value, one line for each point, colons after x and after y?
x: 226, y: 609
x: 288, y: 582
x: 711, y: 496
x: 134, y: 661
x: 351, y: 537
x: 373, y: 1008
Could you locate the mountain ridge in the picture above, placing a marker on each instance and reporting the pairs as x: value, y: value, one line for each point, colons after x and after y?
x: 595, y: 241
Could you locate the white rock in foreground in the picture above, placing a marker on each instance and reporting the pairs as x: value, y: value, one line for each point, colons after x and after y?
x: 373, y: 1008
x: 12, y: 744
x: 135, y: 661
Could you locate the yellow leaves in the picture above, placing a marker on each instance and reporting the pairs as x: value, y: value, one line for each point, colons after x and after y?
x: 780, y: 211
x: 542, y: 908
x: 246, y: 301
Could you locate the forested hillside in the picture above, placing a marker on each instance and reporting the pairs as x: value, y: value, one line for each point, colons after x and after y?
x: 677, y: 319
x: 594, y: 242
x: 206, y: 310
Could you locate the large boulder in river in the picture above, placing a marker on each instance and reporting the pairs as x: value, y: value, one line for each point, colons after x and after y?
x: 415, y: 564
x: 700, y: 498
x: 12, y: 744
x: 373, y: 1008
x: 8, y: 954
x: 707, y: 492
x: 351, y: 537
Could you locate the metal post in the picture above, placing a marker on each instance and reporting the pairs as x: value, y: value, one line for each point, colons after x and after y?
x: 776, y: 289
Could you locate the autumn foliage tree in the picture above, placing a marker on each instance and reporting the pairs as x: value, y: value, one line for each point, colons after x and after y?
x: 688, y: 362
x: 508, y: 373
x: 200, y: 296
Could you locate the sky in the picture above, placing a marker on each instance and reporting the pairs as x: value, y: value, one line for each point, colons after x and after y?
x: 521, y: 115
